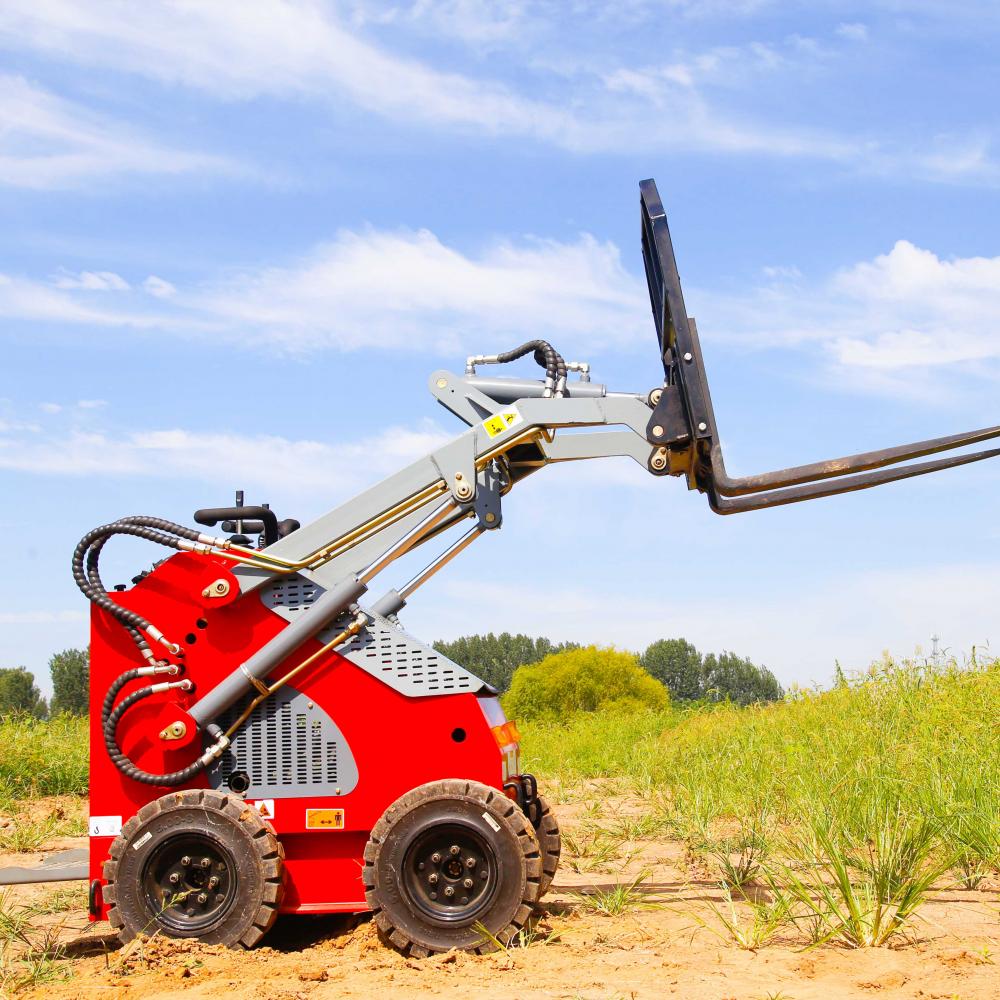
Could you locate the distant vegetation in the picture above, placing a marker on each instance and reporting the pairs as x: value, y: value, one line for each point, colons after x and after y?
x: 69, y: 670
x: 687, y: 674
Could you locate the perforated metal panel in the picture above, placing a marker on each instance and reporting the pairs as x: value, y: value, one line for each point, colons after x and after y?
x: 404, y: 663
x: 289, y: 748
x: 290, y: 595
x: 382, y: 649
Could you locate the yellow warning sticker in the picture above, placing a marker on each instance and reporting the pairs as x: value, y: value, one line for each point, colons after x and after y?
x: 324, y: 819
x: 503, y: 420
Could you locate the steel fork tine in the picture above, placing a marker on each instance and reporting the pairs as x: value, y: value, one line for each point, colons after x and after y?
x: 743, y: 485
x: 815, y: 490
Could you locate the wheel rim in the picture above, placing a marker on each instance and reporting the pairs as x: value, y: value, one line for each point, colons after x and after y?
x: 189, y: 883
x: 439, y: 866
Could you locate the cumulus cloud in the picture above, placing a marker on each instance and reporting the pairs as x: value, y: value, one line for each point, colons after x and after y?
x: 902, y: 310
x: 377, y: 289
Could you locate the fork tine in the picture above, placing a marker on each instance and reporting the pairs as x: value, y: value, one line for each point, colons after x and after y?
x: 815, y: 490
x: 794, y: 476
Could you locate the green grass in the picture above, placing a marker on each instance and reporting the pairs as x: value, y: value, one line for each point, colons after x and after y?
x: 858, y: 801
x: 42, y: 758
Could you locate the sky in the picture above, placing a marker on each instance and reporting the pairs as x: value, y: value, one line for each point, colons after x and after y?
x: 236, y: 237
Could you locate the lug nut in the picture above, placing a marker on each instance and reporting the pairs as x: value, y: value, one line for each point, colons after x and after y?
x: 433, y: 878
x: 203, y: 898
x: 185, y: 861
x: 468, y: 883
x: 206, y: 862
x: 454, y: 850
x: 449, y: 891
x: 213, y: 882
x: 470, y: 862
x: 174, y: 878
x: 436, y: 858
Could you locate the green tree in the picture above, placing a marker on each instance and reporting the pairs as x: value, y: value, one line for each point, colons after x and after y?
x: 19, y: 694
x: 590, y: 679
x: 70, y: 672
x: 676, y: 664
x: 728, y: 677
x: 494, y: 658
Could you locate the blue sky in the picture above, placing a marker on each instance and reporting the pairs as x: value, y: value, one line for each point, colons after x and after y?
x: 236, y: 237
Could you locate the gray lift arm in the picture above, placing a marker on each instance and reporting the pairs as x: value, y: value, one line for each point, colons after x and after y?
x: 517, y: 426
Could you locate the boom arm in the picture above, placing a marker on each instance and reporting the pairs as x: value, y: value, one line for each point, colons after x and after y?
x: 515, y: 426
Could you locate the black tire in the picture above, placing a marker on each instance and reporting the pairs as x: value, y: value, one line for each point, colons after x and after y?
x: 497, y: 847
x: 195, y: 864
x: 549, y: 841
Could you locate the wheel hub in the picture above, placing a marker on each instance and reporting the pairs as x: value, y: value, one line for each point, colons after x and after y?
x: 189, y: 883
x: 450, y: 873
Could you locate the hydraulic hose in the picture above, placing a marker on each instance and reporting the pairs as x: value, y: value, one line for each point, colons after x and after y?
x: 546, y: 356
x: 111, y: 717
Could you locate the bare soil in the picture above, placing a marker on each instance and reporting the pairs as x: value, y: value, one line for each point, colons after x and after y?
x: 658, y: 948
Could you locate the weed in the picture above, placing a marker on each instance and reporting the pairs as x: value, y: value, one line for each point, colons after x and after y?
x: 29, y: 956
x: 618, y: 899
x: 766, y: 918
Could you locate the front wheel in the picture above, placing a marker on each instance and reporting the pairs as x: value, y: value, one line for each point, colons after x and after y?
x: 452, y: 864
x: 195, y: 864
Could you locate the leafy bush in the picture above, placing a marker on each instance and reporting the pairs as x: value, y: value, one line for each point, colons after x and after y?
x: 583, y: 680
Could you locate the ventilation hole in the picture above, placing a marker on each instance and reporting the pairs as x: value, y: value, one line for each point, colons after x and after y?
x: 190, y: 638
x: 202, y: 623
x: 458, y: 735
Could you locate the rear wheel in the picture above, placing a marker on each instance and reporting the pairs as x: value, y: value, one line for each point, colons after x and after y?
x: 452, y: 864
x: 195, y: 864
x: 549, y: 841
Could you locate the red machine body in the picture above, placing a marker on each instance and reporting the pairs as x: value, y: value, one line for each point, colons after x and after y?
x: 398, y: 742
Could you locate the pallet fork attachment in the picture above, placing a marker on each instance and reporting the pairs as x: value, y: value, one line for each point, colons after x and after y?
x: 683, y: 420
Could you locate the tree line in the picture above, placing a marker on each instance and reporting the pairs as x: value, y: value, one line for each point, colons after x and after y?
x: 70, y: 672
x: 686, y: 673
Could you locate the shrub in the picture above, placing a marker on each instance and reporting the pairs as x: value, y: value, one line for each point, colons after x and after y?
x: 583, y: 680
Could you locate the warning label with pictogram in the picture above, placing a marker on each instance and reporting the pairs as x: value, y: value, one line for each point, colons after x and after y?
x: 265, y: 807
x: 502, y: 421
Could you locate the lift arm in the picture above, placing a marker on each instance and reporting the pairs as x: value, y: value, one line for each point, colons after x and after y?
x: 515, y: 427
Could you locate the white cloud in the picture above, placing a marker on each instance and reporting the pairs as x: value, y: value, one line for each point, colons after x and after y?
x: 47, y: 142
x: 903, y: 310
x: 28, y: 299
x: 376, y: 290
x: 302, y: 49
x: 215, y: 457
x: 158, y: 287
x: 854, y: 31
x: 410, y: 290
x: 93, y: 281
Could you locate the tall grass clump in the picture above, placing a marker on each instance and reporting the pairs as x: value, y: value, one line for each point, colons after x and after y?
x: 43, y: 757
x: 858, y: 800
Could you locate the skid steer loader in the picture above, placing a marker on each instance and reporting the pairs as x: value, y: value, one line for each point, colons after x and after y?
x: 266, y: 738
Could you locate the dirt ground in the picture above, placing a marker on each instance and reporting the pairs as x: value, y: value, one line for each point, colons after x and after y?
x: 662, y: 947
